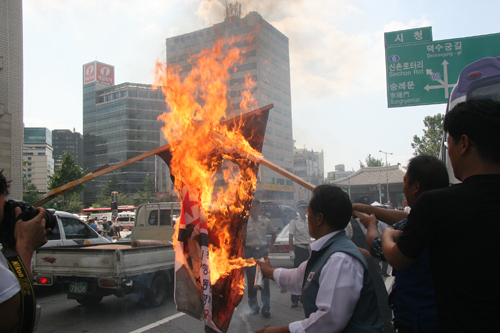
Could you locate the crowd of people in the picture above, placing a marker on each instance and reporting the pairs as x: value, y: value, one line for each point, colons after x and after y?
x: 443, y: 251
x: 108, y: 229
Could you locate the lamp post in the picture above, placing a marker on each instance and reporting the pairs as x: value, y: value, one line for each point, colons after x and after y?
x: 386, y: 173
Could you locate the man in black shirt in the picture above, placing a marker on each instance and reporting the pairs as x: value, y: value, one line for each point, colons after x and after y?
x: 460, y: 224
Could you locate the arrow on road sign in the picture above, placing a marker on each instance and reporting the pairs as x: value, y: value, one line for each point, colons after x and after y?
x: 436, y: 77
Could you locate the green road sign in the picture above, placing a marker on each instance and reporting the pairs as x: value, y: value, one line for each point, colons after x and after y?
x: 424, y: 73
x: 409, y: 36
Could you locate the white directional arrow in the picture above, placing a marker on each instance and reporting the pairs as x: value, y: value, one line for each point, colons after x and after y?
x: 445, y: 72
x: 444, y: 84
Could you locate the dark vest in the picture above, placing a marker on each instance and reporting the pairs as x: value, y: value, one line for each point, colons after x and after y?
x: 366, y: 316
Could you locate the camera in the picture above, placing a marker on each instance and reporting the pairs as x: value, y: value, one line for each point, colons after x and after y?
x: 27, y: 213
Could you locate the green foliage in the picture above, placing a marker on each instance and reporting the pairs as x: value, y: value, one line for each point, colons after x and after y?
x: 148, y: 194
x: 430, y: 142
x: 371, y: 162
x: 32, y: 196
x: 104, y: 199
x: 67, y: 172
x: 74, y: 203
x: 123, y: 200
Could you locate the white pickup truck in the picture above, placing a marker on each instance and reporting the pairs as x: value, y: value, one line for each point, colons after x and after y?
x: 88, y: 272
x: 70, y: 230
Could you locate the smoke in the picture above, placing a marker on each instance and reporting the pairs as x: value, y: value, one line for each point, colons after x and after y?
x: 213, y: 11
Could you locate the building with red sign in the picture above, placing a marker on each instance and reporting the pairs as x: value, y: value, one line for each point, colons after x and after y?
x: 119, y: 122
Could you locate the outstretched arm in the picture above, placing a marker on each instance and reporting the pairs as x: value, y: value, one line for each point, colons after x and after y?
x: 370, y: 223
x: 391, y: 250
x: 389, y: 216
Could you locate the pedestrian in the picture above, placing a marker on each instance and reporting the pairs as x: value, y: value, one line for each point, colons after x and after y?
x: 459, y: 223
x: 256, y: 247
x: 117, y: 228
x: 336, y: 287
x: 412, y: 296
x: 107, y: 229
x: 99, y: 227
x: 92, y: 224
x: 299, y: 241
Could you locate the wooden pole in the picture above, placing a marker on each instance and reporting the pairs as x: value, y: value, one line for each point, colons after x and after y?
x: 288, y: 174
x: 107, y: 169
x: 98, y: 173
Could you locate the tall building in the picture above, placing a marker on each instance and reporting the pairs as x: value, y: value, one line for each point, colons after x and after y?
x: 11, y: 94
x: 119, y: 122
x: 267, y: 60
x: 64, y: 140
x: 339, y: 172
x: 37, y: 156
x: 308, y: 165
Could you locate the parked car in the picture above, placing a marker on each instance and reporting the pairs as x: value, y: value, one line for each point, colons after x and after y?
x: 70, y: 230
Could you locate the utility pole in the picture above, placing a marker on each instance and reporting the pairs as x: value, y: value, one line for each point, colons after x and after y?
x: 386, y: 173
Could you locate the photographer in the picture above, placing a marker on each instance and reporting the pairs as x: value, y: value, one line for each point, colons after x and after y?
x: 29, y: 235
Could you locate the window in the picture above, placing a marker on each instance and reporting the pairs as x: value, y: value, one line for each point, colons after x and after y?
x: 164, y: 217
x: 76, y: 229
x: 55, y: 234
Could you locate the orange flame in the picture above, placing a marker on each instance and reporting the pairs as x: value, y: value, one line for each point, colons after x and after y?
x: 198, y: 103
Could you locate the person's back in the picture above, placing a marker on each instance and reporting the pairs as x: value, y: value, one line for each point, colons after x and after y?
x: 459, y: 224
x: 463, y: 252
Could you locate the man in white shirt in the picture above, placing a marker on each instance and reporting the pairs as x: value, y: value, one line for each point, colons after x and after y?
x: 336, y: 288
x: 299, y: 241
x: 256, y: 247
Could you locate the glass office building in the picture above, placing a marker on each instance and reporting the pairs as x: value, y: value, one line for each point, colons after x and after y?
x: 119, y: 122
x: 267, y: 61
x: 64, y: 140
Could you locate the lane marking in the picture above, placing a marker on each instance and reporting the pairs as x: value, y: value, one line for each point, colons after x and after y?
x: 158, y: 323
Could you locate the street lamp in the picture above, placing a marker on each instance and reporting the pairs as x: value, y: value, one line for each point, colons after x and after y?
x: 386, y: 173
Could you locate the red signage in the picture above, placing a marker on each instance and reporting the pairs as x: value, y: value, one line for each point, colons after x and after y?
x: 97, y: 71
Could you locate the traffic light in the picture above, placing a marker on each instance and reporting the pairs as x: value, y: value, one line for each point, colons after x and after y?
x: 114, y: 205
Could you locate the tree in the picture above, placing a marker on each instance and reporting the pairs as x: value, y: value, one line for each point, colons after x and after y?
x: 74, y: 203
x: 32, y: 196
x: 104, y: 199
x: 149, y: 193
x: 430, y: 143
x: 371, y: 162
x: 67, y: 172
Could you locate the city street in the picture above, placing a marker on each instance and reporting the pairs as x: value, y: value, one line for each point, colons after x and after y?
x: 129, y: 315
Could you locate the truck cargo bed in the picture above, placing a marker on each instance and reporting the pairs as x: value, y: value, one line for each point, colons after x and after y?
x: 110, y: 260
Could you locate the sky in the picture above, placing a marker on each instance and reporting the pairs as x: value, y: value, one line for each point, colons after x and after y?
x: 337, y: 60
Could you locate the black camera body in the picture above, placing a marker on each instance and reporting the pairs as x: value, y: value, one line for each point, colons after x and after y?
x: 27, y: 213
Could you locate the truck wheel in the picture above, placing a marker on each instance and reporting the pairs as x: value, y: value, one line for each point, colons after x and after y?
x: 89, y: 300
x: 157, y: 292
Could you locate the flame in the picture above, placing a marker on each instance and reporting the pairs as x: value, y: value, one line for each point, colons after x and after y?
x: 198, y: 103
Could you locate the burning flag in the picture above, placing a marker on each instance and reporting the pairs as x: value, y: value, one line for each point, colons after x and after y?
x: 192, y: 264
x: 214, y: 163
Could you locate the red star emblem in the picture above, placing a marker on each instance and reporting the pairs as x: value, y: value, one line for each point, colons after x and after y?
x: 188, y: 204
